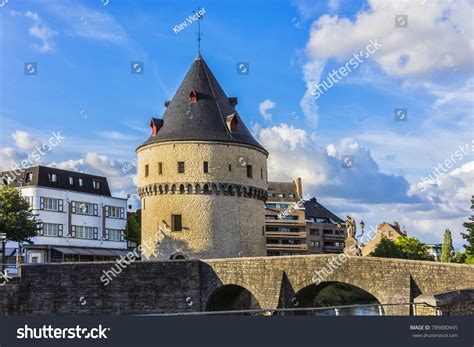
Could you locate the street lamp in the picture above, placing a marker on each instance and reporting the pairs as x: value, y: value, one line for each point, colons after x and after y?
x: 3, y: 239
x: 362, y: 225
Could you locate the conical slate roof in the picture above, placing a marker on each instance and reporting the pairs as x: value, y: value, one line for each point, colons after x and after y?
x: 206, y: 119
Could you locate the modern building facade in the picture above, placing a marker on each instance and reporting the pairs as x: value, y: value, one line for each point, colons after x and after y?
x: 202, y: 177
x: 80, y: 220
x: 325, y: 231
x: 285, y: 226
x: 296, y: 224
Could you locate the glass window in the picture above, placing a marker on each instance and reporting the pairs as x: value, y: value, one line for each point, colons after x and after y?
x: 50, y: 204
x: 29, y: 177
x: 327, y: 232
x: 314, y: 243
x: 71, y: 180
x: 53, y: 177
x: 314, y: 232
x: 50, y: 229
x: 249, y: 171
x: 271, y: 217
x: 160, y: 168
x: 176, y: 222
x: 114, y: 234
x: 81, y: 182
x: 114, y: 212
x: 146, y: 170
x: 180, y: 166
x: 96, y: 184
x: 83, y: 232
x: 206, y: 167
x: 84, y: 208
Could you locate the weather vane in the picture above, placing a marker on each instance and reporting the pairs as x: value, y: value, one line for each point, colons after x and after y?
x: 200, y: 16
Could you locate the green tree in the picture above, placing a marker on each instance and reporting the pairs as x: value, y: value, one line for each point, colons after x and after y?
x: 16, y: 217
x: 460, y: 258
x: 412, y: 248
x: 404, y: 248
x: 386, y: 248
x: 469, y: 236
x: 447, y: 251
x: 132, y: 230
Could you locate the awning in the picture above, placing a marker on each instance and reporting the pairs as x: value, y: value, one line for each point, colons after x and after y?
x: 65, y: 250
x: 99, y: 252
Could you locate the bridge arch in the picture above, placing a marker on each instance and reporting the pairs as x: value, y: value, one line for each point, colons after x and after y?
x: 230, y: 297
x: 340, y: 294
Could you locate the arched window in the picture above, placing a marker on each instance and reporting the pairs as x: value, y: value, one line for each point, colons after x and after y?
x: 206, y: 189
x: 181, y: 189
x: 190, y: 189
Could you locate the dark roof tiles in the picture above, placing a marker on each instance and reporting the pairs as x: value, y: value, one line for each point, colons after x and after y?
x: 204, y: 119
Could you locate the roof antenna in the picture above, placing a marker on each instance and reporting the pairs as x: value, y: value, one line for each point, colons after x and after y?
x: 199, y: 34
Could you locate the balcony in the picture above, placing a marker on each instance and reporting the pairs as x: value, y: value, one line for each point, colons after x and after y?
x: 285, y: 235
x: 334, y: 237
x: 280, y: 247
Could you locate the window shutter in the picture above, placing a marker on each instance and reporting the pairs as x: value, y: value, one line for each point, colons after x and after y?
x: 40, y: 231
x: 122, y: 236
x: 106, y: 234
x: 73, y: 231
x: 60, y: 205
x: 41, y: 203
x: 95, y: 209
x: 95, y: 233
x: 73, y: 206
x: 60, y: 230
x: 122, y: 213
x: 107, y: 211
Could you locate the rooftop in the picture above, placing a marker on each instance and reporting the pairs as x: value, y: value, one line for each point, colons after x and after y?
x: 50, y: 177
x: 201, y: 111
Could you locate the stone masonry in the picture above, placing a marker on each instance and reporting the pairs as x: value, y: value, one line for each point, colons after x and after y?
x: 187, y: 285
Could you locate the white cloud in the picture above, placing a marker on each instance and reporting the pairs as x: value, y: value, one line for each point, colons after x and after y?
x: 116, y: 135
x: 23, y: 140
x: 96, y: 25
x: 438, y: 37
x: 294, y: 153
x: 312, y: 75
x: 40, y: 31
x: 264, y: 106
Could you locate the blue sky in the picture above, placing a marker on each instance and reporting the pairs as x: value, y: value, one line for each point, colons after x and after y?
x: 84, y: 89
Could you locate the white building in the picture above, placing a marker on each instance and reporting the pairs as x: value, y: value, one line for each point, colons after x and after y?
x: 435, y: 250
x: 80, y: 220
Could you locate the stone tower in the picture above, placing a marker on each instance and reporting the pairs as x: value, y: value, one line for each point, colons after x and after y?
x: 202, y: 177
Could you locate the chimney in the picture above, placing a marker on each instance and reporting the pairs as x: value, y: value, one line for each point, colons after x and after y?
x: 299, y: 188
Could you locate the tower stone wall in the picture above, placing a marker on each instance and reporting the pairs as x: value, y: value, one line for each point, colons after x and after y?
x: 222, y: 211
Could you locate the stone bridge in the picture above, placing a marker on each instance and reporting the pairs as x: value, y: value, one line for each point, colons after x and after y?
x: 145, y: 287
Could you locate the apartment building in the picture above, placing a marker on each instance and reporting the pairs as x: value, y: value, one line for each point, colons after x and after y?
x: 80, y: 220
x: 296, y: 224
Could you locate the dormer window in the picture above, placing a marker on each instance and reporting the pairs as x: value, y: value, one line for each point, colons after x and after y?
x: 155, y: 125
x: 232, y: 122
x: 29, y: 177
x: 193, y: 96
x: 53, y: 177
x: 81, y: 182
x: 96, y: 184
x: 71, y: 180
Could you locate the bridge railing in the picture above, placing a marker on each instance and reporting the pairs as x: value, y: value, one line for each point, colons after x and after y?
x: 337, y: 310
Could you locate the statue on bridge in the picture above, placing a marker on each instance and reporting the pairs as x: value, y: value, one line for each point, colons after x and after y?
x: 350, y: 226
x: 350, y: 244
